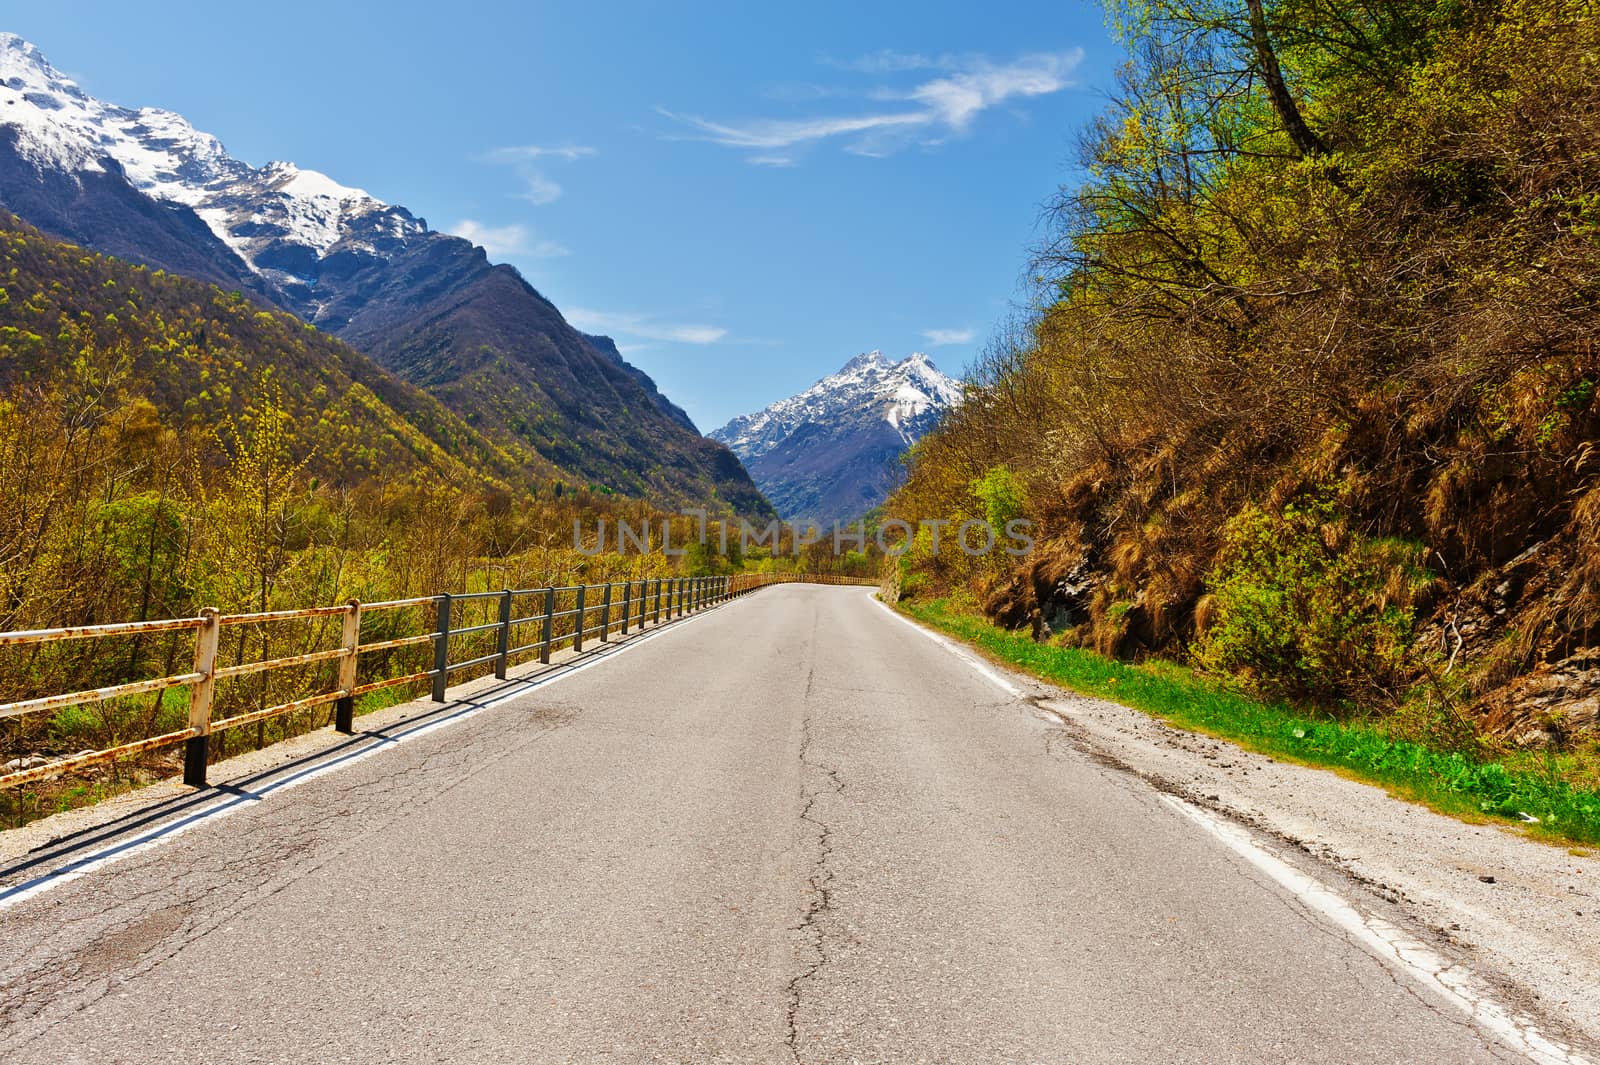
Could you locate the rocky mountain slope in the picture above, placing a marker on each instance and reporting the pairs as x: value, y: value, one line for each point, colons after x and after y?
x: 144, y: 185
x: 832, y: 452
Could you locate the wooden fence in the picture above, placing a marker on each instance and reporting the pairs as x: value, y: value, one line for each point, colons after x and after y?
x: 524, y: 622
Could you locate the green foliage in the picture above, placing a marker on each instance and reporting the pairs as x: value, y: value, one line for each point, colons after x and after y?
x: 1001, y: 494
x: 1305, y: 609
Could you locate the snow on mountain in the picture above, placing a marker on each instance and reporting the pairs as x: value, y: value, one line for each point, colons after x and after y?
x: 278, y: 218
x: 831, y: 453
x: 908, y: 395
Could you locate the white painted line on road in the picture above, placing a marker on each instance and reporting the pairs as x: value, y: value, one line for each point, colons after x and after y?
x: 93, y: 862
x: 1391, y: 944
x: 976, y: 663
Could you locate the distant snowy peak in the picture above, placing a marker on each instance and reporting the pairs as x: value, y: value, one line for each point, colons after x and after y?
x: 277, y: 217
x: 909, y: 396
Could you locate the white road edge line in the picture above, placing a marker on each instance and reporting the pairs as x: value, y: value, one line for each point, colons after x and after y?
x: 976, y: 663
x: 1453, y: 982
x: 97, y: 860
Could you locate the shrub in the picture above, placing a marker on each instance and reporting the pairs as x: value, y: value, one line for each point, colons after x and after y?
x: 1001, y: 495
x: 1305, y: 608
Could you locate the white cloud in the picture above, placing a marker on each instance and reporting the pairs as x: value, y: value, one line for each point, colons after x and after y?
x: 771, y: 160
x: 642, y: 327
x: 501, y: 241
x: 786, y: 133
x: 961, y: 97
x: 538, y: 187
x: 942, y: 337
x: 935, y: 110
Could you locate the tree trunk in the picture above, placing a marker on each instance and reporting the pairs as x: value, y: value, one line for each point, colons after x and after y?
x: 1305, y: 141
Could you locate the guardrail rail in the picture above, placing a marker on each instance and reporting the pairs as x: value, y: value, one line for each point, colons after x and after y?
x: 525, y: 622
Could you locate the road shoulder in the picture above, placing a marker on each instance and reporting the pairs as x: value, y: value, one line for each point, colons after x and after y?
x: 1527, y: 912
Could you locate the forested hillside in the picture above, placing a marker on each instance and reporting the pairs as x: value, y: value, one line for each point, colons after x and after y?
x: 166, y: 446
x: 1309, y: 396
x: 71, y: 319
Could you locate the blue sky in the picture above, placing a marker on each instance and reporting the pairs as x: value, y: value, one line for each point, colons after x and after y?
x: 744, y: 195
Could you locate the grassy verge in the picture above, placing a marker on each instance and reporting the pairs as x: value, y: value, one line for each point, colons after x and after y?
x: 1445, y: 780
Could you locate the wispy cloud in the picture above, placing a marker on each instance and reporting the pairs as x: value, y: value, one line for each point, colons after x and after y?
x: 787, y: 133
x: 941, y: 337
x: 501, y: 241
x: 528, y: 160
x: 642, y: 326
x: 928, y: 113
x: 959, y: 98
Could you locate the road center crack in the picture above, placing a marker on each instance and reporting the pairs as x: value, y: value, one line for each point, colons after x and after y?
x: 816, y: 781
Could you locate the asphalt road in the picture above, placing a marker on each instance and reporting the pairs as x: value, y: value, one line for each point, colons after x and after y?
x: 792, y: 828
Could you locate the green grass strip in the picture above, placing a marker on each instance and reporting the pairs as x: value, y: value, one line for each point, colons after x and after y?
x: 1445, y: 780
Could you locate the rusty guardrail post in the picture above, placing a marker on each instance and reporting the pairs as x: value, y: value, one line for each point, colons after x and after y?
x: 503, y: 650
x: 344, y: 710
x: 627, y: 604
x: 549, y: 625
x: 605, y: 615
x: 577, y: 622
x: 441, y: 650
x: 198, y: 747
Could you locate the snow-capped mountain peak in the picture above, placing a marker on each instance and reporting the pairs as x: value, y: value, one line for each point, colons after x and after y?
x: 830, y: 451
x: 279, y: 218
x: 867, y: 359
x: 908, y: 395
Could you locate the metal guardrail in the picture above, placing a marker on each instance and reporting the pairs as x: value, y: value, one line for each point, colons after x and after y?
x: 617, y: 606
